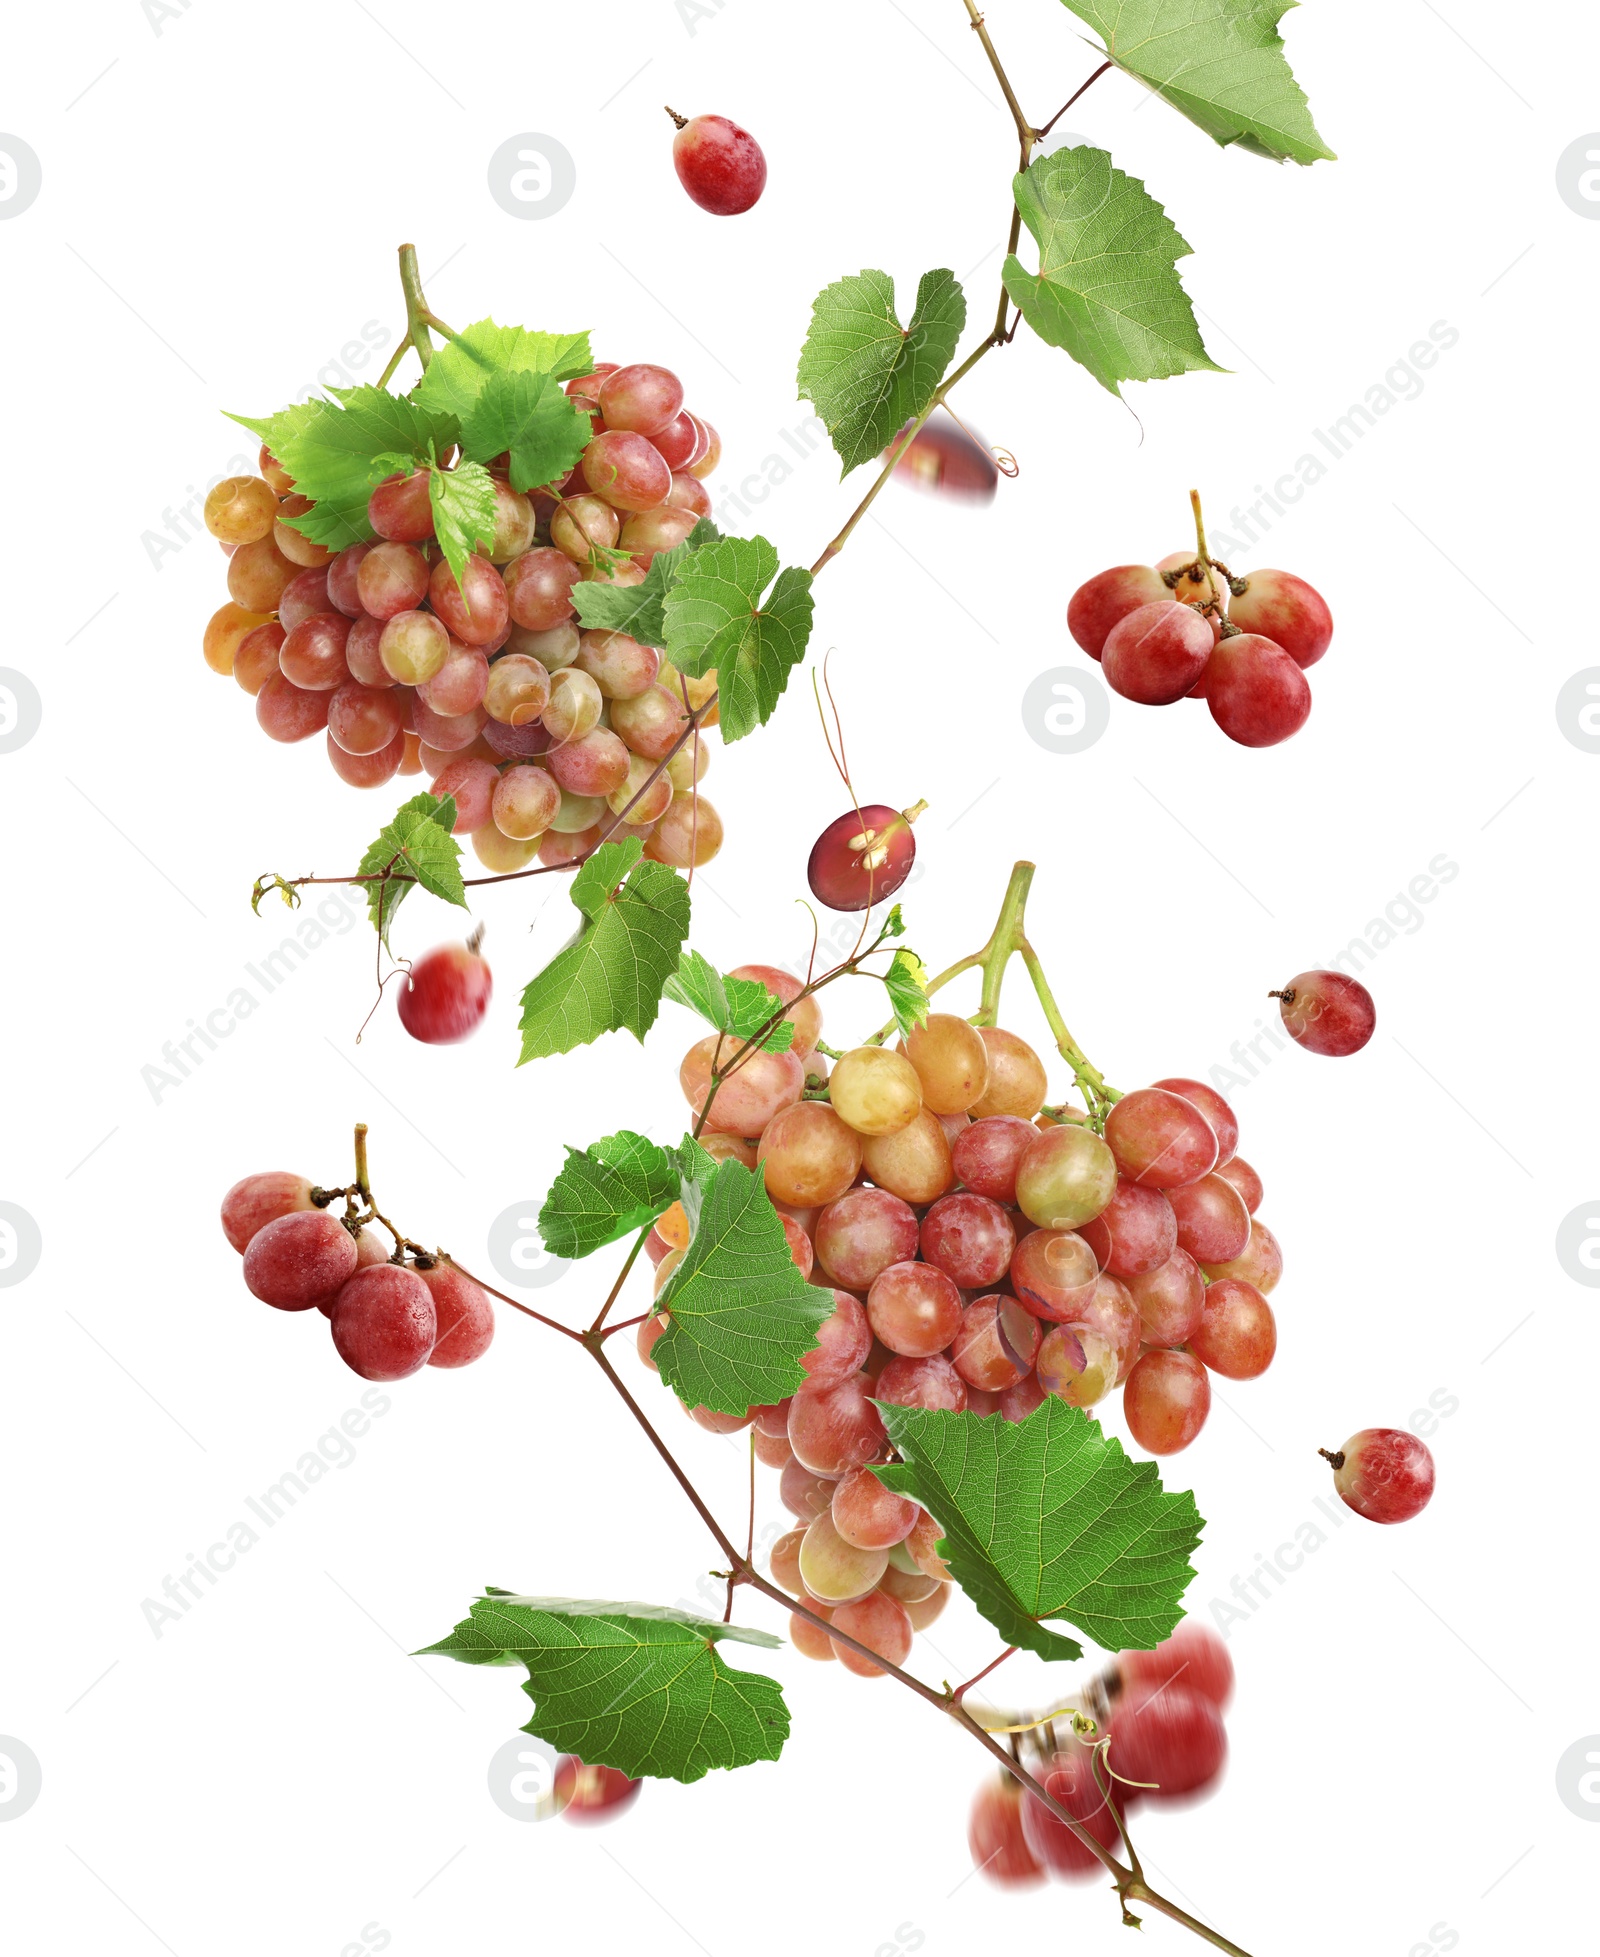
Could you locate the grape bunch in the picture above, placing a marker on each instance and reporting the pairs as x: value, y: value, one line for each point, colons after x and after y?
x: 549, y: 737
x: 1158, y: 1731
x: 390, y: 1315
x: 981, y: 1252
x: 1187, y: 629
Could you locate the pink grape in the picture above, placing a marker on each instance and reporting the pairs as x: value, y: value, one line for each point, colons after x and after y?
x: 1257, y: 695
x: 1165, y: 1400
x: 1193, y: 1657
x: 1112, y: 1313
x: 255, y: 1201
x: 970, y: 1238
x: 363, y: 719
x: 644, y: 398
x: 862, y: 1234
x: 1260, y: 1262
x: 303, y: 598
x: 648, y: 532
x: 1066, y: 1177
x: 586, y: 1795
x: 1017, y: 1402
x: 524, y: 802
x: 460, y: 683
x: 802, y: 1493
x: 447, y: 732
x: 1237, y: 1334
x: 931, y: 1383
x: 1107, y: 599
x: 517, y: 690
x: 688, y: 494
x: 255, y: 660
x: 475, y: 610
x: 401, y: 508
x: 445, y: 995
x: 472, y: 783
x: 413, y: 646
x: 383, y: 1321
x: 1213, y: 1223
x: 1155, y: 654
x: 1170, y: 1741
x: 678, y: 442
x: 392, y: 578
x: 879, y: 1622
x: 624, y: 470
x: 1054, y: 1273
x: 747, y: 1100
x: 867, y: 1514
x: 618, y: 664
x: 298, y: 1258
x: 1382, y: 1473
x: 1170, y: 1300
x: 312, y: 656
x: 861, y: 858
x: 1135, y: 1232
x: 834, y: 1427
x: 367, y: 770
x: 463, y: 1314
x: 914, y: 1309
x: 843, y: 1341
x: 1245, y: 1180
x: 595, y: 764
x: 539, y: 588
x: 719, y: 164
x: 361, y: 653
x: 286, y: 712
x: 650, y: 721
x: 985, y: 1155
x: 999, y: 1849
x: 1327, y: 1012
x: 1078, y: 1365
x: 806, y: 1014
x: 1287, y: 610
x: 996, y: 1344
x: 1068, y: 1778
x: 1224, y: 1123
x: 343, y: 592
x: 1160, y: 1139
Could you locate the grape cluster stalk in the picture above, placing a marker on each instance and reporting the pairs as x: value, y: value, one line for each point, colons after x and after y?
x: 726, y: 1068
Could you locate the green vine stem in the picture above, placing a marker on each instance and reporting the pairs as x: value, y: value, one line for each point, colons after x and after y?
x: 421, y: 320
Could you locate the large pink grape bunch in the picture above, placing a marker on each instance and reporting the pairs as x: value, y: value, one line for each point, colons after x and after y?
x: 545, y: 734
x: 982, y: 1253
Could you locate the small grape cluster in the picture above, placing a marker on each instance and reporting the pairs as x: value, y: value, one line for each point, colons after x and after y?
x: 390, y: 1315
x: 1187, y: 629
x: 982, y: 1253
x: 1157, y: 1728
x: 546, y: 735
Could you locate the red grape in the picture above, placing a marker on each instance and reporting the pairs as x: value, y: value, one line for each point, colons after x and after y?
x: 625, y: 470
x: 1107, y: 599
x: 286, y: 712
x: 880, y: 1623
x: 1156, y: 653
x: 474, y: 610
x: 463, y: 1315
x: 719, y: 164
x: 1237, y: 1334
x: 363, y: 719
x: 367, y: 770
x: 392, y: 578
x: 985, y: 1155
x: 1171, y: 1742
x: 1382, y: 1473
x: 1160, y: 1139
x: 1222, y: 1119
x: 312, y: 657
x: 1260, y: 1262
x: 1054, y: 1272
x: 539, y: 588
x: 1068, y: 1778
x: 931, y: 1383
x: 996, y: 1344
x: 862, y: 858
x: 970, y: 1238
x: 383, y: 1322
x: 1135, y: 1232
x: 445, y: 996
x: 834, y: 1427
x: 1245, y: 1180
x: 298, y: 1258
x: 868, y: 1515
x: 1193, y: 1657
x: 994, y: 1835
x: 1257, y: 695
x: 1165, y: 1401
x: 401, y: 508
x: 862, y: 1234
x: 460, y: 683
x: 1213, y: 1223
x: 342, y: 573
x: 914, y: 1309
x: 587, y: 1795
x: 258, y: 1200
x: 303, y: 598
x: 644, y: 398
x: 803, y: 1493
x: 1287, y: 610
x: 1170, y: 1299
x: 1327, y: 1012
x: 255, y: 659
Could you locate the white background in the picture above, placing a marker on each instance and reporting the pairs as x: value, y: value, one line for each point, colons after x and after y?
x: 221, y: 203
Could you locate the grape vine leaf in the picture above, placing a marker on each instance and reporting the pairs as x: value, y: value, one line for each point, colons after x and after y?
x: 337, y: 454
x: 865, y: 374
x: 528, y: 415
x: 637, y: 609
x: 633, y: 1686
x: 418, y: 840
x: 716, y: 616
x: 742, y: 1315
x: 1220, y: 63
x: 906, y: 983
x: 1049, y: 1518
x: 463, y: 511
x: 461, y: 369
x: 740, y: 1007
x: 1107, y: 288
x: 636, y: 918
x: 612, y: 1188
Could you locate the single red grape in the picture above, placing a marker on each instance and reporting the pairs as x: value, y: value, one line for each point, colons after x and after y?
x: 1165, y: 1400
x: 383, y: 1321
x: 1193, y: 1657
x: 1069, y: 1779
x: 1107, y: 599
x: 1155, y: 654
x: 446, y: 995
x: 1383, y: 1473
x: 1257, y: 695
x: 296, y: 1259
x: 1237, y: 1334
x: 862, y: 858
x: 718, y: 163
x: 994, y: 1834
x: 463, y: 1315
x: 1287, y: 610
x: 1170, y: 1740
x: 588, y: 1794
x: 255, y: 1201
x: 1327, y: 1012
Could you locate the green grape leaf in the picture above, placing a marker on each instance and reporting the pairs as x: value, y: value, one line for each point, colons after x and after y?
x: 1049, y: 1518
x: 637, y: 609
x: 612, y: 1188
x: 716, y: 616
x: 906, y: 983
x: 1107, y: 288
x: 631, y: 1686
x: 1221, y: 63
x: 462, y: 368
x: 742, y: 1315
x: 337, y: 454
x: 866, y: 375
x: 894, y: 925
x: 463, y: 511
x: 528, y: 415
x: 737, y: 1006
x: 418, y: 840
x: 636, y: 917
